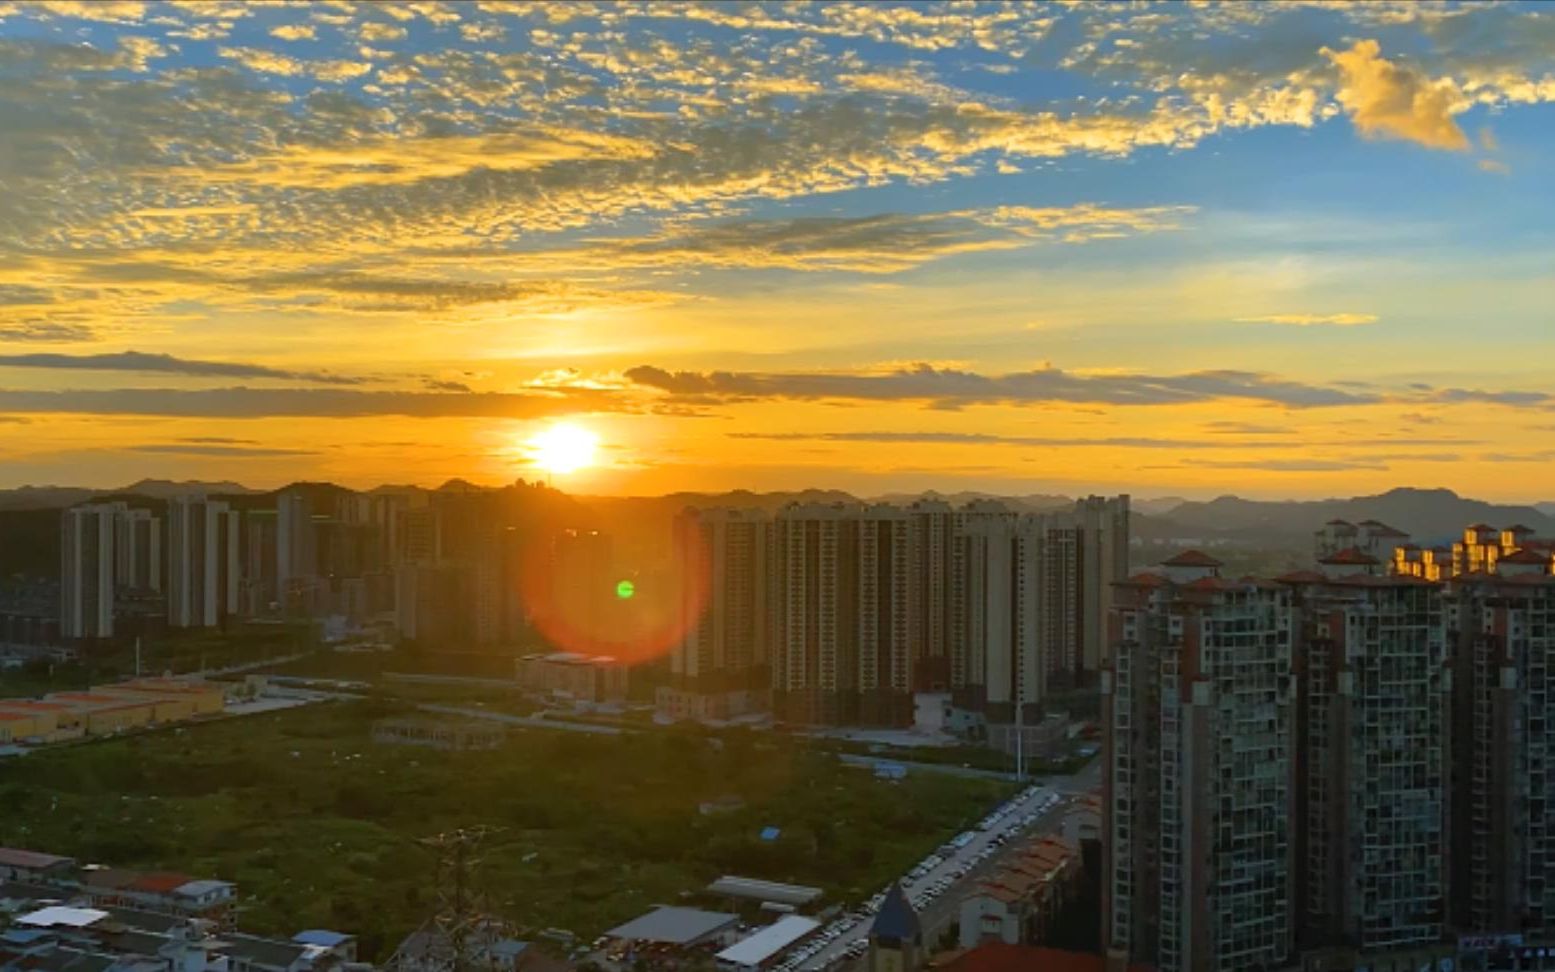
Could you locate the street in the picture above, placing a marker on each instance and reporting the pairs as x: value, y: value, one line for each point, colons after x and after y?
x: 1048, y: 801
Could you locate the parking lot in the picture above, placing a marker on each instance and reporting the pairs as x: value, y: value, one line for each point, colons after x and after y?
x: 932, y: 881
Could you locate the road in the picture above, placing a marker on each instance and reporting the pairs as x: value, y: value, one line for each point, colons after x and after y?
x: 939, y: 913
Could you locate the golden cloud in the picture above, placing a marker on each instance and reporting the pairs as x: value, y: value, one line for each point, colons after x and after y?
x: 1312, y: 320
x: 1385, y: 100
x: 293, y: 32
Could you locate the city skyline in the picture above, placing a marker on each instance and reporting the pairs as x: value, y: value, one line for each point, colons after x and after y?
x: 1274, y: 250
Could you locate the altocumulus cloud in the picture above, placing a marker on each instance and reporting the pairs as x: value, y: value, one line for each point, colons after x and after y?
x: 951, y: 388
x: 140, y: 361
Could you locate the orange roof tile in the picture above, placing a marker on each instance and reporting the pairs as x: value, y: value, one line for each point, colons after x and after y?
x: 1192, y: 558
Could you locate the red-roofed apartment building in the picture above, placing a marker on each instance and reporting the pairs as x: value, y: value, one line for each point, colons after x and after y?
x: 1018, y: 903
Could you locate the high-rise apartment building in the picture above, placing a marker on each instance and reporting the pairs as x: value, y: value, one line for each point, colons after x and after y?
x: 137, y: 550
x: 935, y: 580
x: 1000, y: 557
x: 1374, y: 797
x: 204, y: 572
x: 856, y: 607
x: 839, y: 597
x: 1199, y: 731
x: 295, y: 557
x: 1503, y: 748
x: 1098, y: 529
x: 722, y: 556
x: 87, y: 574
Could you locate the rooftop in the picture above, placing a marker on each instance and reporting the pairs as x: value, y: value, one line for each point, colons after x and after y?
x: 160, y: 882
x: 56, y: 916
x: 16, y: 857
x: 1192, y: 558
x: 744, y: 887
x: 673, y: 925
x: 896, y: 919
x: 1525, y: 557
x: 770, y: 940
x: 321, y: 936
x: 1350, y: 555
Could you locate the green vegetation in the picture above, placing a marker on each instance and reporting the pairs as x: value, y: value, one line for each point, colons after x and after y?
x: 319, y: 825
x: 177, y: 651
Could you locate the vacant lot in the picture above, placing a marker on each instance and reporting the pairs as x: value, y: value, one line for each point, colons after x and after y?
x: 319, y: 825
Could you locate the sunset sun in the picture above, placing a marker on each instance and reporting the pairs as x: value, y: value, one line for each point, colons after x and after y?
x: 563, y: 448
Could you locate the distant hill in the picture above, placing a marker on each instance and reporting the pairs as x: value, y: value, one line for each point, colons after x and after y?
x: 1032, y: 503
x: 44, y: 497
x: 1157, y: 506
x: 167, y: 489
x: 1425, y: 514
x: 59, y: 497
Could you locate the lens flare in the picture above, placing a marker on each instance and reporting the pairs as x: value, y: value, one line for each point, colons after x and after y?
x: 635, y: 614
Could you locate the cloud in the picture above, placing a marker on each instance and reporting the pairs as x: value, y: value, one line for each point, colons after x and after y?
x: 986, y: 438
x: 293, y: 32
x: 366, y: 292
x: 1312, y: 320
x: 378, y: 32
x: 948, y: 388
x: 243, y: 403
x: 1124, y: 442
x: 222, y: 451
x: 45, y: 331
x: 1494, y: 167
x: 263, y: 61
x: 138, y: 361
x: 1247, y: 428
x: 1385, y: 100
x: 107, y: 11
x: 882, y: 243
x: 1293, y: 465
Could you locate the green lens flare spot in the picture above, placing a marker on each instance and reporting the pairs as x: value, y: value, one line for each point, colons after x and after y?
x: 625, y: 589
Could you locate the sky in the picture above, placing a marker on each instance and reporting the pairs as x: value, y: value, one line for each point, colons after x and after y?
x: 1276, y: 249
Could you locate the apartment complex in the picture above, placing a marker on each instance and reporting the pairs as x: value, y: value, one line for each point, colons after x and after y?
x: 1199, y: 731
x: 843, y: 611
x: 1410, y: 732
x: 1480, y: 550
x: 446, y: 566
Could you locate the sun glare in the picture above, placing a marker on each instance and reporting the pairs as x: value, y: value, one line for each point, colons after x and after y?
x: 563, y: 448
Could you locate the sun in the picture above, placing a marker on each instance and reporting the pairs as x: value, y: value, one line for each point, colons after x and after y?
x: 563, y: 448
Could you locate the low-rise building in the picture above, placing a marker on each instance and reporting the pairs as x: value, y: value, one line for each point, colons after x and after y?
x: 593, y: 678
x: 681, y: 704
x: 32, y: 866
x: 1019, y: 902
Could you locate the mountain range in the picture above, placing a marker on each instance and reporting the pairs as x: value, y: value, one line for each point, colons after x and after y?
x: 1428, y: 515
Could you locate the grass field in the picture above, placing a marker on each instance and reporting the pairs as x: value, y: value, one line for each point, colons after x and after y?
x: 319, y: 825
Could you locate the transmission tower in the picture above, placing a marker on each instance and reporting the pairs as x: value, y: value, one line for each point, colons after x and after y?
x: 461, y: 935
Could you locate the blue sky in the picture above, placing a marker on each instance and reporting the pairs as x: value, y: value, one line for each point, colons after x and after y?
x: 867, y: 245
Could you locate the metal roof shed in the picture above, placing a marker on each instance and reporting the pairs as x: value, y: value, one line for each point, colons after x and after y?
x: 675, y: 926
x: 751, y: 952
x: 734, y: 886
